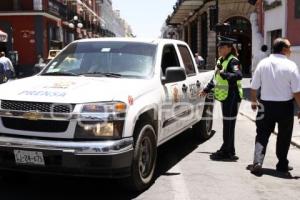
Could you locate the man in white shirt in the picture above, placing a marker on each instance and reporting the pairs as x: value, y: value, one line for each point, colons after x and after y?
x: 279, y: 80
x: 199, y: 60
x: 8, y: 66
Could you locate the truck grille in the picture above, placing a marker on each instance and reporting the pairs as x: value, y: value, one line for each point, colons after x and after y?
x: 36, y: 126
x: 37, y: 106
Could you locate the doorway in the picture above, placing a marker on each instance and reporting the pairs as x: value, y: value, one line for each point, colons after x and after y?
x: 241, y: 31
x: 3, y: 47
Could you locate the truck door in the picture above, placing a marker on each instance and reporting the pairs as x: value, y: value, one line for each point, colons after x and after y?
x: 172, y: 105
x: 193, y: 86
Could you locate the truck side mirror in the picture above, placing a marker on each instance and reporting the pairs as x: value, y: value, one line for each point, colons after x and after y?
x: 174, y: 74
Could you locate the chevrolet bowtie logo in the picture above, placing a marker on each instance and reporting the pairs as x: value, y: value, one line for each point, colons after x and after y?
x: 35, y: 115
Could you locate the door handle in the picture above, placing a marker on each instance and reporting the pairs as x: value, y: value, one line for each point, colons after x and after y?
x: 198, y: 84
x: 184, y: 88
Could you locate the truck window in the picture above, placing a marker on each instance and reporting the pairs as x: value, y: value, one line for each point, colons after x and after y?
x: 187, y: 60
x: 129, y: 59
x: 169, y: 58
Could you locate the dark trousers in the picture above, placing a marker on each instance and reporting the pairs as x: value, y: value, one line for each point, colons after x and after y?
x: 269, y: 114
x: 230, y: 109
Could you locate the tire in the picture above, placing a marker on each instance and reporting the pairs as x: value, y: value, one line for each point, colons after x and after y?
x: 203, y: 129
x: 13, y: 177
x: 144, y: 158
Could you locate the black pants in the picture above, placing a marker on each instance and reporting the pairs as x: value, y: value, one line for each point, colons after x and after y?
x: 269, y: 114
x: 230, y: 109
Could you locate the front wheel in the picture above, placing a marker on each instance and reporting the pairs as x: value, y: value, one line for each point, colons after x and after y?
x: 144, y: 158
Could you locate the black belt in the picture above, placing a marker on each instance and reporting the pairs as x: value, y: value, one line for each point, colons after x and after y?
x: 279, y: 102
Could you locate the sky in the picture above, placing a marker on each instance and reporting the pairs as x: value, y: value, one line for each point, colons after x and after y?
x: 146, y: 17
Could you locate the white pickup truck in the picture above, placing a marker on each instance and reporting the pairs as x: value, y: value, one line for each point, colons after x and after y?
x: 102, y: 107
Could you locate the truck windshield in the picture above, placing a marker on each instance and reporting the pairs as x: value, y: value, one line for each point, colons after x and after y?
x: 124, y: 59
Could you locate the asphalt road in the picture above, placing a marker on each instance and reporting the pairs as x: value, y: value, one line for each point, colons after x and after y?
x: 184, y: 172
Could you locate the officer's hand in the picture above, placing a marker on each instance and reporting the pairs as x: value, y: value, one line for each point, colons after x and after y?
x: 202, y: 93
x: 254, y: 106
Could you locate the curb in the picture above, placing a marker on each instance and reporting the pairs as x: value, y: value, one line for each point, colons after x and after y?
x: 275, y: 133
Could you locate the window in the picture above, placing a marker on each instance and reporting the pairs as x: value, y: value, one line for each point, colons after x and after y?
x: 275, y: 34
x: 169, y: 58
x: 204, y: 38
x: 297, y: 9
x: 128, y: 59
x: 194, y: 36
x: 186, y: 33
x: 6, y: 5
x: 37, y: 5
x: 187, y: 60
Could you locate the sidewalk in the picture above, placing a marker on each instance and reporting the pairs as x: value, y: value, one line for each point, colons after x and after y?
x: 245, y: 110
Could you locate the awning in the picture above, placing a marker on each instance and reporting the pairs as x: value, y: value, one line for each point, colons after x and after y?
x: 183, y: 9
x: 3, y: 36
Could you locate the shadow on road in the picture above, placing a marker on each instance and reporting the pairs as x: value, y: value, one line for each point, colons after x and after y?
x: 274, y: 173
x: 174, y: 151
x: 37, y: 187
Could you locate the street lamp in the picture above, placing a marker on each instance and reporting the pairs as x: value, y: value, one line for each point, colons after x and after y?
x: 74, y: 24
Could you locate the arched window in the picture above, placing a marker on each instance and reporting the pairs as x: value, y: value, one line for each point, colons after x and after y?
x: 239, y: 25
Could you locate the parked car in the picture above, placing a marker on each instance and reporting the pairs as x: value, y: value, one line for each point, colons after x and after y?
x: 41, y: 65
x: 102, y: 107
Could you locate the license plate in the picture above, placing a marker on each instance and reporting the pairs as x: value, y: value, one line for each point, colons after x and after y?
x: 29, y: 157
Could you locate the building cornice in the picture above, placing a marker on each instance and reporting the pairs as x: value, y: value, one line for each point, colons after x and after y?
x: 34, y: 13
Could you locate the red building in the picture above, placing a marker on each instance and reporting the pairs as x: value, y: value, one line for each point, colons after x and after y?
x: 293, y: 22
x: 36, y: 26
x: 280, y: 18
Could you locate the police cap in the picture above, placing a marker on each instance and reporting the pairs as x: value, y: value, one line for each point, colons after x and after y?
x: 225, y: 41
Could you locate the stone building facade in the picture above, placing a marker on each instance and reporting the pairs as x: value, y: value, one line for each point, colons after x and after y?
x: 195, y: 20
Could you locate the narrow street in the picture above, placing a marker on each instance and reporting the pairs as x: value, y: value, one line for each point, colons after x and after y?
x: 184, y: 172
x: 197, y: 177
x: 86, y: 85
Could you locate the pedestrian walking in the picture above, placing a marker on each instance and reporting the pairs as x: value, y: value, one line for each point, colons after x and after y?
x: 8, y: 66
x: 199, y: 61
x: 279, y: 80
x: 3, y: 78
x: 228, y: 90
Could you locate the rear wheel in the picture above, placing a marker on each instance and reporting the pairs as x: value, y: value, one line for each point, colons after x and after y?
x: 144, y: 158
x: 203, y: 129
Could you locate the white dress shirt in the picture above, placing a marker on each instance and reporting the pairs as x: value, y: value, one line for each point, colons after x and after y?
x: 278, y: 77
x: 7, y: 63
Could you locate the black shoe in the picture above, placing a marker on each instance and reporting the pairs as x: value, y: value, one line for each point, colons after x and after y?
x: 221, y: 156
x: 284, y: 170
x: 234, y: 157
x: 256, y: 169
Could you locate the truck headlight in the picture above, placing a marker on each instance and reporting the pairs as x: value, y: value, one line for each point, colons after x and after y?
x: 101, y: 120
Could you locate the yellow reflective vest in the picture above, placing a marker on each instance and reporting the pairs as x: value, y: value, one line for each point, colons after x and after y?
x: 222, y: 86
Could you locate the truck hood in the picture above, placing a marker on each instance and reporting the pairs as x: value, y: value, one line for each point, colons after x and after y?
x: 62, y: 89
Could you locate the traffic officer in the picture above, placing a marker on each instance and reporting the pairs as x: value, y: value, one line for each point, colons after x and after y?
x: 228, y: 90
x: 279, y: 80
